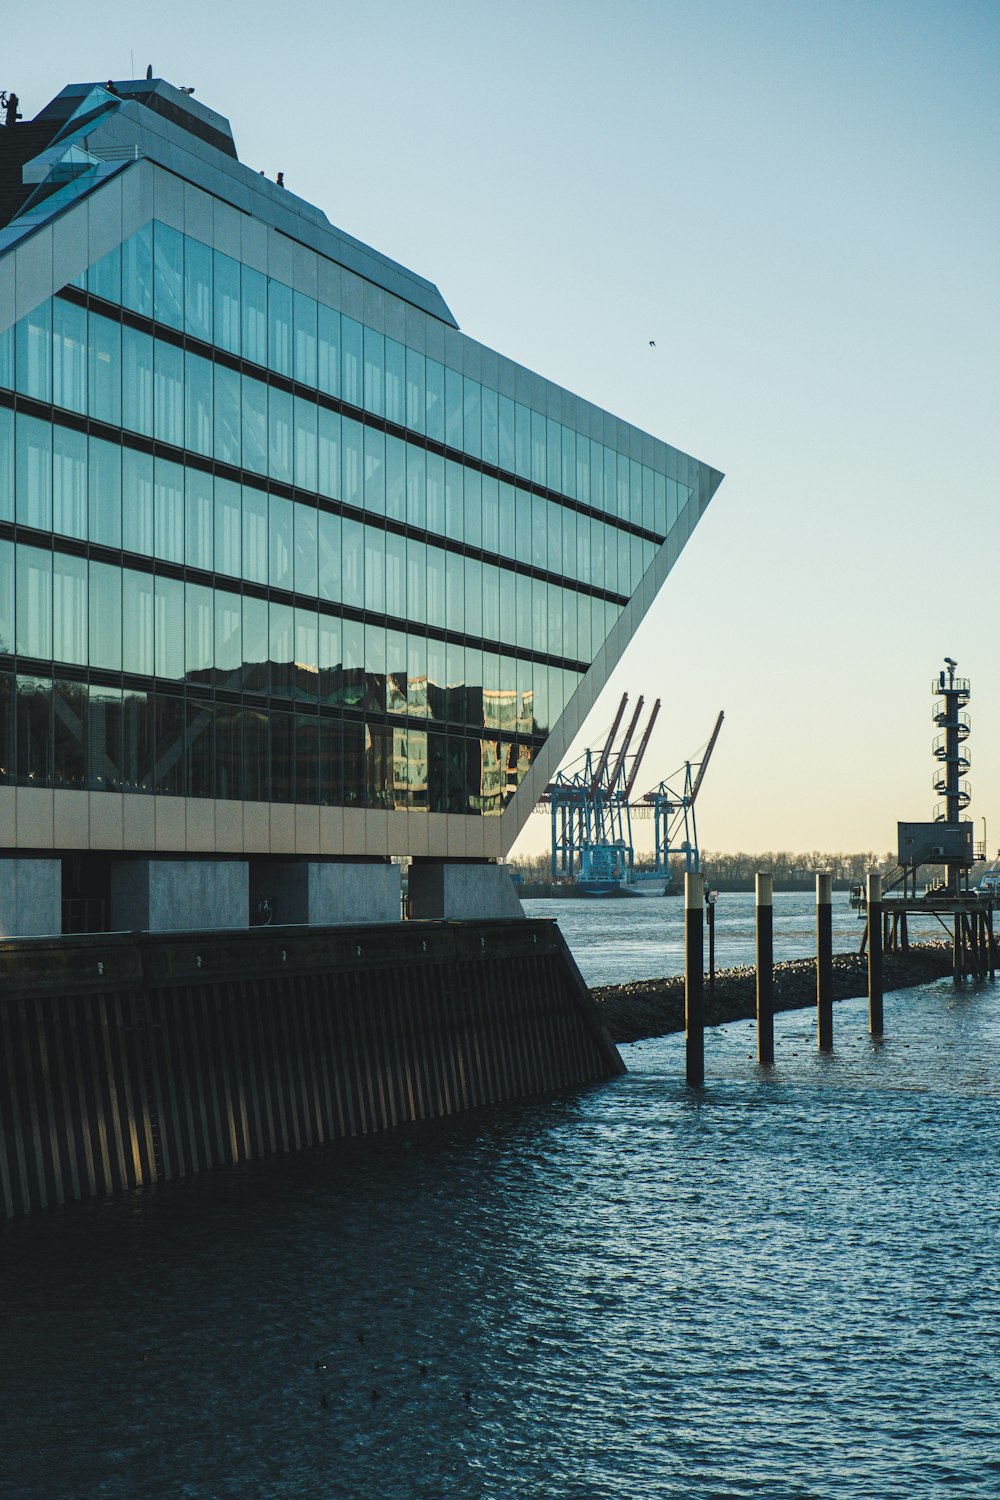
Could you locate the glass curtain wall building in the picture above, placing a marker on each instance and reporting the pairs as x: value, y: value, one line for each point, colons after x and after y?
x: 287, y: 563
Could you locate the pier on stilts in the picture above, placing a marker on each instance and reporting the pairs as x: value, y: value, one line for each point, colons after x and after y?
x: 964, y: 912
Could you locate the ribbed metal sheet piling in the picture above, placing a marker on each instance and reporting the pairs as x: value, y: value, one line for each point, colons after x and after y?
x: 694, y: 979
x: 765, y: 967
x: 874, y: 953
x: 824, y: 961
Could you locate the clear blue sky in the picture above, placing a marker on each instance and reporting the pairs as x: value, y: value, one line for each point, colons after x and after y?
x: 799, y: 200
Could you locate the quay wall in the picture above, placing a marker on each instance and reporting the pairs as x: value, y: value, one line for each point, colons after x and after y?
x: 134, y: 1058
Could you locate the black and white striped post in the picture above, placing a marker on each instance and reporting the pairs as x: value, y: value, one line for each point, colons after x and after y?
x: 765, y: 968
x: 694, y: 978
x: 874, y: 953
x: 824, y: 961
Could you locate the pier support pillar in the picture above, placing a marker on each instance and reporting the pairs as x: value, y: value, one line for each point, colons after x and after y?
x: 765, y: 967
x: 694, y: 979
x: 30, y: 897
x: 325, y: 892
x: 178, y: 895
x: 875, y: 953
x: 824, y: 961
x: 461, y: 891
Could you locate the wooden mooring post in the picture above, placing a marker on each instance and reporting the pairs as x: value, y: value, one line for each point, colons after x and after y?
x: 824, y: 961
x: 694, y: 979
x: 875, y: 1020
x: 765, y: 967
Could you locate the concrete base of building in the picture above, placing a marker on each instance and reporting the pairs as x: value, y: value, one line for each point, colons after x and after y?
x: 179, y: 895
x: 183, y: 1051
x: 30, y: 897
x: 324, y: 893
x: 461, y: 891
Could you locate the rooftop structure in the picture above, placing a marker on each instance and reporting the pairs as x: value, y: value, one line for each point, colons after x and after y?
x: 292, y: 572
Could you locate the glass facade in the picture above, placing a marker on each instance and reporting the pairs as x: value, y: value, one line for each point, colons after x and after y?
x: 253, y: 549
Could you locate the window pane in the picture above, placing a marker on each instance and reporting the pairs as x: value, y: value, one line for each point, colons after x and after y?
x: 168, y: 509
x: 254, y: 289
x: 33, y: 353
x: 69, y: 609
x: 279, y: 327
x: 137, y: 609
x: 306, y: 529
x: 228, y: 527
x: 304, y: 313
x: 137, y: 271
x: 105, y: 634
x: 168, y: 393
x: 198, y: 404
x: 34, y: 472
x: 168, y: 629
x: 137, y: 502
x: 254, y: 425
x: 105, y: 370
x: 198, y: 290
x: 6, y: 464
x: 168, y: 276
x: 198, y: 519
x: 227, y: 416
x: 69, y: 482
x: 69, y: 355
x: 254, y: 534
x: 226, y: 303
x: 279, y: 435
x: 137, y: 381
x: 328, y: 365
x: 34, y: 602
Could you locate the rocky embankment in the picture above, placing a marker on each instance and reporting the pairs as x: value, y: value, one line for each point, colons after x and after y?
x: 652, y: 1007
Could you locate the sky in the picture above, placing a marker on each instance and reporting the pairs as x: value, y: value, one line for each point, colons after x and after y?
x: 799, y: 201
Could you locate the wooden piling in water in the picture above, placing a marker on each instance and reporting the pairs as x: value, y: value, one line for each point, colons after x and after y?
x: 824, y: 961
x: 694, y: 979
x: 765, y: 967
x: 875, y: 1017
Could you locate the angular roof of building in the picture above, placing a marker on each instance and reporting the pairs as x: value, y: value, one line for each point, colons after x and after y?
x: 88, y: 133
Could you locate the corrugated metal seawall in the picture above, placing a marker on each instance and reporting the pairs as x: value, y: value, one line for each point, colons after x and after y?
x: 136, y: 1058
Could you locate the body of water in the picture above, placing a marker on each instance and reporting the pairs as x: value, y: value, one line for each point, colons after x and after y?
x: 782, y: 1286
x: 642, y: 937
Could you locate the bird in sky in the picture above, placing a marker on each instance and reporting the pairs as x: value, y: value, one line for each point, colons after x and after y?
x: 652, y: 343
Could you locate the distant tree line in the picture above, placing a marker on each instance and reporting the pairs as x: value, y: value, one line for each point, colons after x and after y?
x: 782, y: 863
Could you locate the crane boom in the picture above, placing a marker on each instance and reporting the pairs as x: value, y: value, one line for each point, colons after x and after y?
x: 605, y: 753
x: 706, y: 757
x: 641, y: 751
x: 625, y: 744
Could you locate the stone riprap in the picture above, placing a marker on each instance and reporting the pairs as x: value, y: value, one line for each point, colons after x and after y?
x: 654, y: 1007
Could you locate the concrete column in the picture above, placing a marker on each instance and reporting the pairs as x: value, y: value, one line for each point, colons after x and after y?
x: 824, y: 961
x: 461, y: 891
x: 30, y: 897
x: 324, y: 893
x: 179, y: 895
x: 874, y: 953
x: 694, y: 978
x: 765, y: 968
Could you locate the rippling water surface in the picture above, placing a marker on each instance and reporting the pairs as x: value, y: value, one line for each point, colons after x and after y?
x: 640, y: 937
x: 783, y: 1286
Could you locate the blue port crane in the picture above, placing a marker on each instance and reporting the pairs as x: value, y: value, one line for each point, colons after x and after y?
x: 591, y: 807
x: 676, y: 831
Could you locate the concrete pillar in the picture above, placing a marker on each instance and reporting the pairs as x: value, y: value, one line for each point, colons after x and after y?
x: 325, y: 892
x: 765, y: 968
x: 461, y: 891
x: 30, y: 897
x: 179, y: 895
x: 694, y: 978
x: 824, y: 961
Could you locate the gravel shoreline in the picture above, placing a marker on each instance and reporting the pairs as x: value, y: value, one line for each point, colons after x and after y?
x: 654, y: 1007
